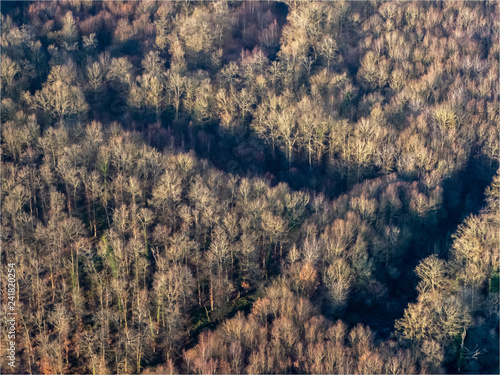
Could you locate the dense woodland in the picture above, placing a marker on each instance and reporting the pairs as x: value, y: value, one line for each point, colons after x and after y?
x: 251, y: 187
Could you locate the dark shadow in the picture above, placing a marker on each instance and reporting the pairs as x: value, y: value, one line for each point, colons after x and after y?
x: 15, y: 9
x: 280, y: 11
x: 463, y: 195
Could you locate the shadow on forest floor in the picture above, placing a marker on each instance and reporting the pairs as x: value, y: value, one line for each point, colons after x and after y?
x: 249, y: 156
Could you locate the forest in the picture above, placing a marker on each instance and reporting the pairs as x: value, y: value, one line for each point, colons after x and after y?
x: 259, y: 187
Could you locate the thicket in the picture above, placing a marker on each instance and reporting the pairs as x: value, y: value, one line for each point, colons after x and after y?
x: 252, y: 187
